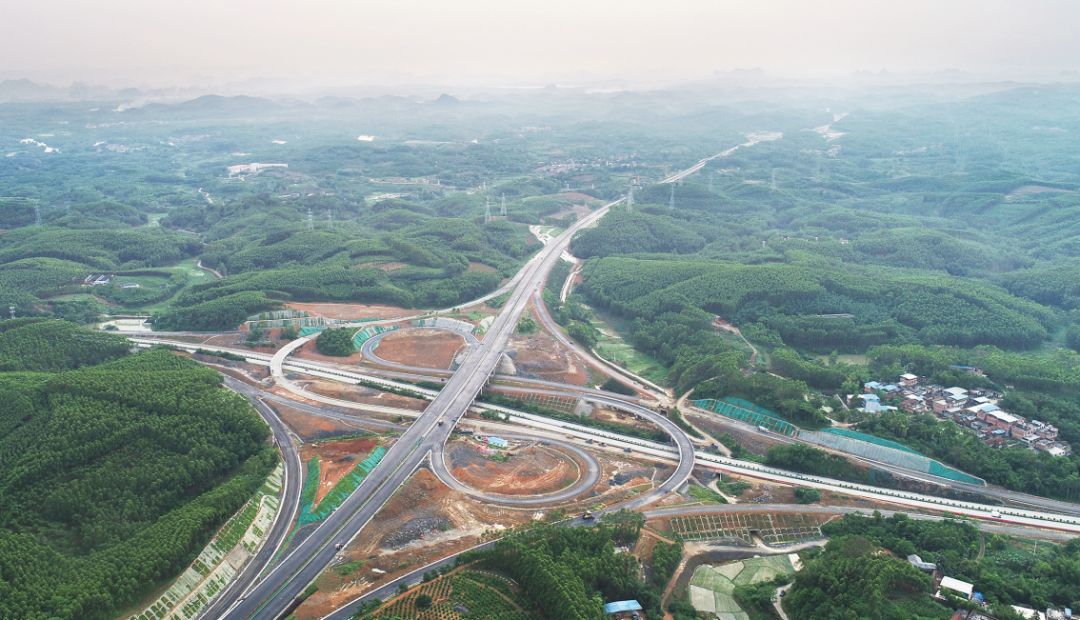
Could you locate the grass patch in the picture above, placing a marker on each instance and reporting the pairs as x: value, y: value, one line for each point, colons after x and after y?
x: 733, y: 487
x: 613, y: 348
x: 702, y: 494
x: 347, y: 568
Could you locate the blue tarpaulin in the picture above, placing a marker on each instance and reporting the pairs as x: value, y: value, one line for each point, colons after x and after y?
x: 620, y: 606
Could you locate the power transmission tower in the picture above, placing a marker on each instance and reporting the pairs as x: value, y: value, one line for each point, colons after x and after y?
x: 671, y: 201
x: 630, y: 198
x: 310, y: 220
x: 11, y: 310
x: 37, y: 216
x: 487, y: 210
x: 502, y: 205
x: 329, y: 218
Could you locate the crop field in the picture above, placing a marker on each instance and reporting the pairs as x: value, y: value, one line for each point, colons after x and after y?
x: 711, y: 587
x: 778, y: 529
x: 457, y: 596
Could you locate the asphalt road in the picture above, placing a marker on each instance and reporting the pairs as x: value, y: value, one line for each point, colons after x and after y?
x: 371, y: 344
x: 586, y: 479
x: 274, y: 595
x: 1056, y: 510
x: 414, y: 577
x: 290, y: 502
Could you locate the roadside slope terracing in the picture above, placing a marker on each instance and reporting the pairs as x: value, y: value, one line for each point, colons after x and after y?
x: 220, y: 561
x: 424, y: 521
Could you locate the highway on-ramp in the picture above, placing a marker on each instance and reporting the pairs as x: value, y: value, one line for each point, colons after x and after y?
x: 286, y: 581
x: 291, y: 484
x: 586, y: 477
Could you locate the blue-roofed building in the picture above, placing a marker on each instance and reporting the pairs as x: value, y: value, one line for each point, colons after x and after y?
x: 622, y: 609
x: 497, y: 442
x: 871, y: 403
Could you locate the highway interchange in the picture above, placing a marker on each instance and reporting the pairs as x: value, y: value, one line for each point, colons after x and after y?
x: 275, y: 593
x: 278, y: 590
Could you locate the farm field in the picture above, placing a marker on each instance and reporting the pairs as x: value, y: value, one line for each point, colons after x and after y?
x: 460, y: 595
x: 711, y: 587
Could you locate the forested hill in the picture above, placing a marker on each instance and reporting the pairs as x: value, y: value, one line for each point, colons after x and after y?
x: 50, y: 345
x: 113, y: 475
x: 825, y: 307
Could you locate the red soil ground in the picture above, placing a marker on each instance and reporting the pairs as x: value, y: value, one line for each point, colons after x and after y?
x: 531, y: 470
x: 336, y: 458
x: 423, y: 496
x: 351, y: 311
x: 426, y: 348
x: 360, y: 394
x: 310, y: 427
x: 541, y: 356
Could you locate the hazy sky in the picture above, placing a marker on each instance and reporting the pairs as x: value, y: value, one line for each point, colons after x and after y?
x: 155, y: 42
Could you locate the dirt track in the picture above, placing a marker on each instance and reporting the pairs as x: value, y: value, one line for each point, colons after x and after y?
x: 360, y: 394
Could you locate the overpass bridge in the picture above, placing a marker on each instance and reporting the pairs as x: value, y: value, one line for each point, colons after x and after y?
x: 274, y: 595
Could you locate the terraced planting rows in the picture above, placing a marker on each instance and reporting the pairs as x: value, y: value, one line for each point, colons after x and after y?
x: 460, y: 595
x: 778, y: 529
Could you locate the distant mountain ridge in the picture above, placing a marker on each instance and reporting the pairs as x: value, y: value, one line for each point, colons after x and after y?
x: 24, y: 90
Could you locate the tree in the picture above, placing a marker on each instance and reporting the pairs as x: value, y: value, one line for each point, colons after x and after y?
x: 336, y: 342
